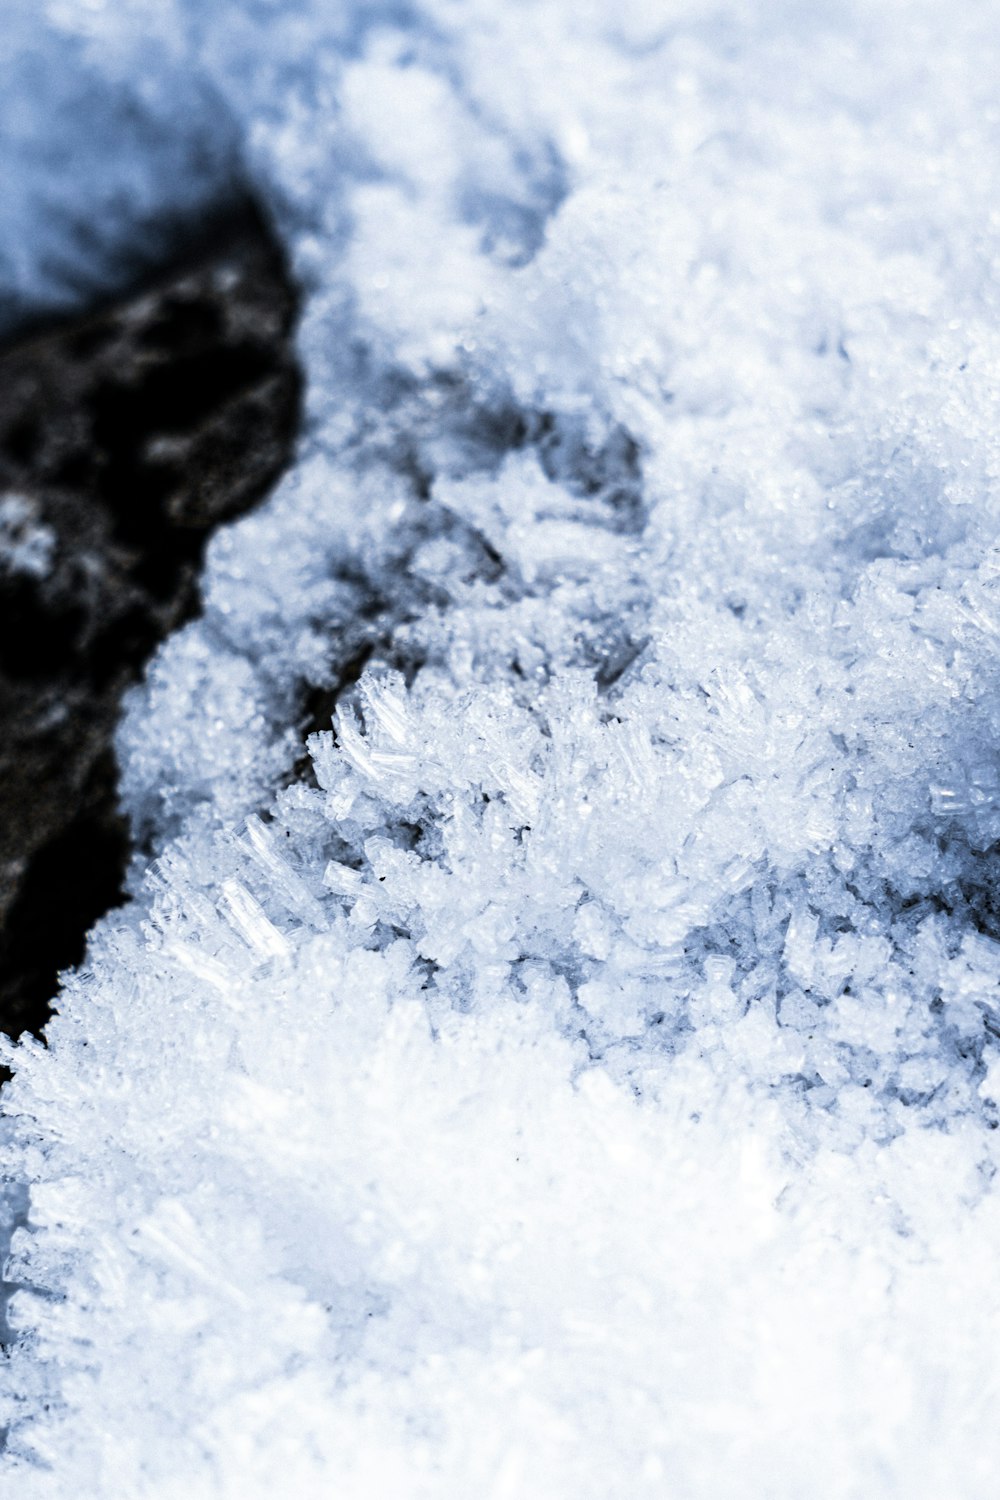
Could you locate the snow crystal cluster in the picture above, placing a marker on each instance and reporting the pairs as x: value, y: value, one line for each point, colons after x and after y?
x: 552, y: 1050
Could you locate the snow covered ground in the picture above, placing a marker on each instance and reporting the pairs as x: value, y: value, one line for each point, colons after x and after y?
x: 582, y: 1079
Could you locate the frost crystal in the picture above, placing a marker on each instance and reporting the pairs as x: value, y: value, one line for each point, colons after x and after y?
x: 580, y: 1078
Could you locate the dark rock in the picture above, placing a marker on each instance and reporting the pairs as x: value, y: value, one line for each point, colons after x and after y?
x: 125, y: 438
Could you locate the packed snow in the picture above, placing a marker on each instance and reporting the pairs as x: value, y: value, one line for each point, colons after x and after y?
x: 574, y: 1072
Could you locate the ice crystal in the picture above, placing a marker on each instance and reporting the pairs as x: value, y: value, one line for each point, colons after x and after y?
x: 579, y: 1076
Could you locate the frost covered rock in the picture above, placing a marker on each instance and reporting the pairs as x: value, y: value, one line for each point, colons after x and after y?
x: 578, y: 1077
x: 125, y: 437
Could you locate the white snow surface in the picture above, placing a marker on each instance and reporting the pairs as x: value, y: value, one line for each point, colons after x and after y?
x: 577, y: 1076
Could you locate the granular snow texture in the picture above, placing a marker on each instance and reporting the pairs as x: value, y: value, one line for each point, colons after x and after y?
x: 579, y: 1076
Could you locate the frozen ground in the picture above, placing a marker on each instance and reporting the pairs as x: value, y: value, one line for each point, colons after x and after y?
x: 583, y: 1081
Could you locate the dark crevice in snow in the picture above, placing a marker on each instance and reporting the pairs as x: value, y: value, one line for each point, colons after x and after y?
x: 126, y: 438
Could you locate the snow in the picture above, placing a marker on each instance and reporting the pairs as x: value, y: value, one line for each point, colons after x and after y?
x: 27, y: 545
x: 584, y: 1081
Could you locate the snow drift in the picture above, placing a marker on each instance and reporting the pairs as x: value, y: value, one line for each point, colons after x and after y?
x: 578, y: 1076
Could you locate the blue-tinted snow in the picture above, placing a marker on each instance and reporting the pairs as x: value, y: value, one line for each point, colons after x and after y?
x: 585, y: 1082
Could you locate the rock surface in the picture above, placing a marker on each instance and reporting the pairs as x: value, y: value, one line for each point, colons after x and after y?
x: 125, y: 438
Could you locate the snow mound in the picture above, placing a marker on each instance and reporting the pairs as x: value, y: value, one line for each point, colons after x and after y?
x: 574, y: 1071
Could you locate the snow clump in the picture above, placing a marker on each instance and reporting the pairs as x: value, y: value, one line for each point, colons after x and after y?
x: 574, y: 1071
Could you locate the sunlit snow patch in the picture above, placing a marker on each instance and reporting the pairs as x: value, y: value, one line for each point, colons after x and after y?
x: 580, y: 1077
